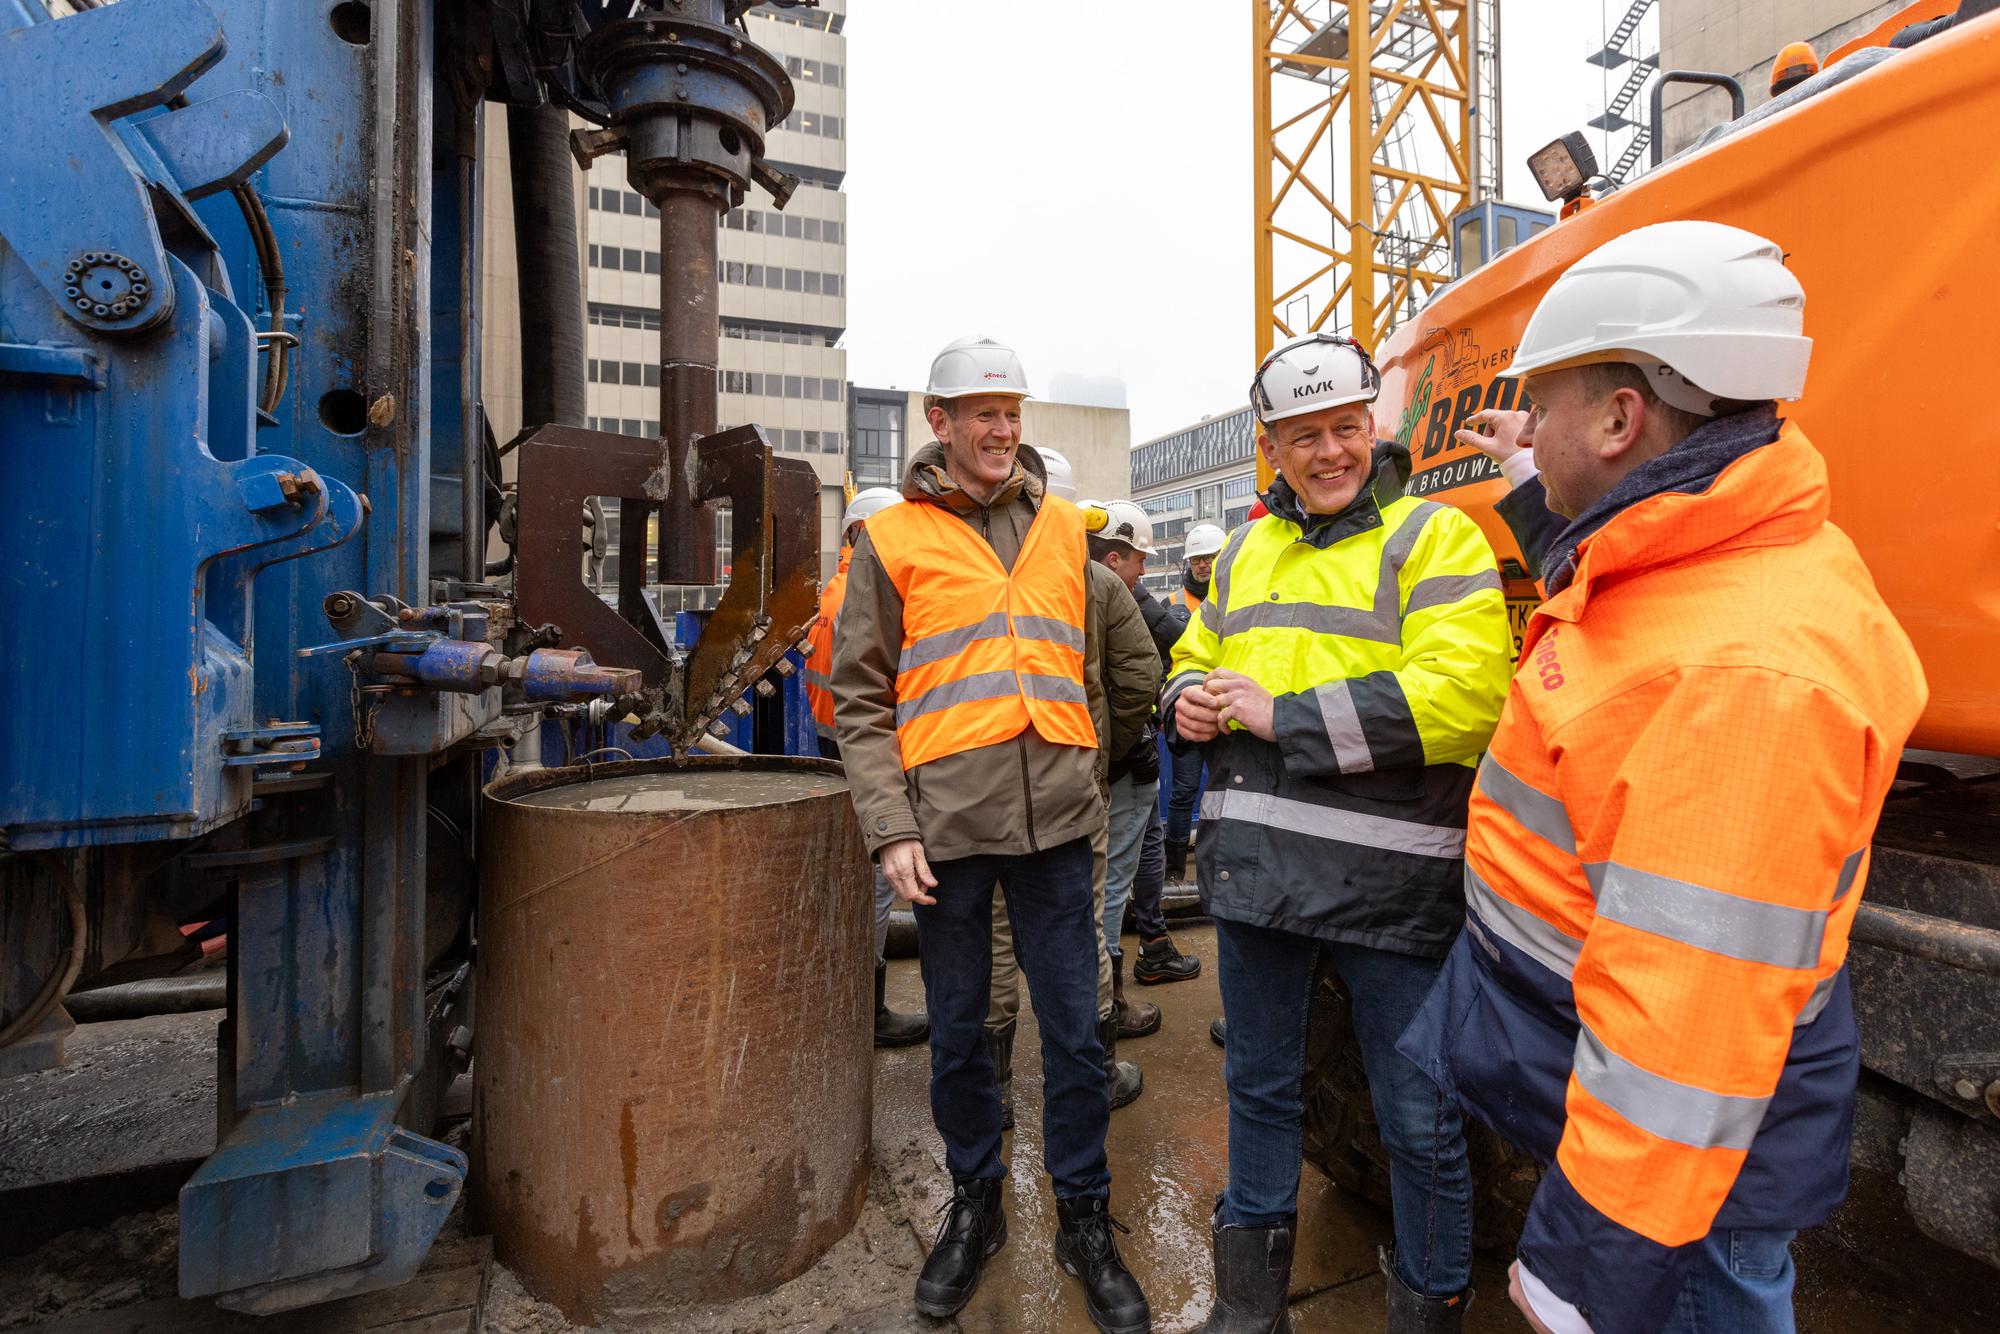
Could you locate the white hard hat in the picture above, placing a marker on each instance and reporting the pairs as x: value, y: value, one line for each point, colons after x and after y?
x: 977, y: 365
x: 1119, y: 521
x: 1709, y: 311
x: 1204, y: 539
x: 1062, y: 477
x: 868, y: 501
x: 1310, y: 373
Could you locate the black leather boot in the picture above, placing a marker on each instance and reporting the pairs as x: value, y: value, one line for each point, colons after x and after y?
x: 1136, y: 1019
x: 893, y: 1029
x: 1253, y: 1270
x: 1176, y: 851
x: 1086, y: 1250
x: 1000, y: 1046
x: 1122, y: 1079
x: 1218, y: 1032
x: 974, y: 1230
x: 1410, y: 1312
x: 1159, y: 961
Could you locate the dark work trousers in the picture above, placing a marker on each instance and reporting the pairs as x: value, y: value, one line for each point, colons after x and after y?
x: 1267, y: 984
x: 1186, y: 789
x: 1048, y: 896
x: 1149, y: 882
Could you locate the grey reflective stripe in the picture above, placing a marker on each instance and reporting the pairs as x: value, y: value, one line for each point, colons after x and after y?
x: 1849, y: 869
x: 1218, y: 581
x: 1398, y: 548
x: 1343, y: 728
x: 1535, y: 810
x: 950, y: 643
x: 1660, y: 1106
x: 827, y: 730
x: 1058, y: 688
x: 1707, y: 919
x: 1822, y: 992
x: 1049, y: 628
x: 1299, y: 817
x: 1353, y: 622
x: 1441, y: 590
x: 1539, y: 940
x: 820, y: 679
x: 980, y: 685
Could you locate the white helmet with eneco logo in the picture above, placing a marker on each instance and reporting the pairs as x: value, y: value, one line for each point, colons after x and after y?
x: 1708, y: 311
x: 1204, y: 539
x: 1311, y: 373
x: 977, y: 365
x: 1062, y: 477
x: 868, y: 501
x: 1119, y: 521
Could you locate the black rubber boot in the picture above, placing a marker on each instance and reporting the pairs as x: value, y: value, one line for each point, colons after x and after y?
x: 893, y: 1029
x: 1253, y: 1270
x: 1122, y: 1079
x: 1410, y: 1312
x: 974, y: 1230
x: 1000, y: 1046
x: 1136, y: 1019
x: 1177, y: 851
x: 1159, y: 961
x: 1218, y: 1032
x: 1086, y: 1250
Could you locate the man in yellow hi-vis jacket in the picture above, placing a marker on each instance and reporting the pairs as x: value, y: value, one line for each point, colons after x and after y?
x: 1343, y: 675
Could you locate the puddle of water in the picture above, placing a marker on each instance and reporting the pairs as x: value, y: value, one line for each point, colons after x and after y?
x: 657, y: 792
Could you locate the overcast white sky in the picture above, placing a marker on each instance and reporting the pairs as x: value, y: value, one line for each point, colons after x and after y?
x: 1073, y: 176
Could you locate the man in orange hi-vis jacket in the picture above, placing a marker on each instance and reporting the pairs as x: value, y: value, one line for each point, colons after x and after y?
x: 1669, y: 835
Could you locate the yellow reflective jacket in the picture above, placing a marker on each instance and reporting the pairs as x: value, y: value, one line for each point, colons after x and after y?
x: 1382, y: 634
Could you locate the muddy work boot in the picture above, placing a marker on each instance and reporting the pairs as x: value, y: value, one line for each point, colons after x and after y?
x: 1122, y: 1079
x: 1253, y: 1270
x: 893, y: 1029
x: 1159, y: 961
x: 974, y: 1230
x: 1000, y: 1046
x: 1136, y: 1019
x: 1410, y: 1312
x: 1086, y: 1250
x: 1176, y: 852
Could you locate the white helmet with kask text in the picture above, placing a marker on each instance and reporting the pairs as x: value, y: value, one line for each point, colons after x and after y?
x: 1311, y: 373
x: 977, y: 365
x: 1204, y: 539
x: 1709, y: 312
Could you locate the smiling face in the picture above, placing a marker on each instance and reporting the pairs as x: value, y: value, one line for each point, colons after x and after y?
x: 1323, y: 456
x: 980, y: 434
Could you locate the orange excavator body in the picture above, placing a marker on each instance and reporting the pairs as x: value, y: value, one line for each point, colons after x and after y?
x: 1887, y: 207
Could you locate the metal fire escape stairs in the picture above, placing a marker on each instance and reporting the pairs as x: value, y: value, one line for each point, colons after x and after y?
x: 1621, y: 48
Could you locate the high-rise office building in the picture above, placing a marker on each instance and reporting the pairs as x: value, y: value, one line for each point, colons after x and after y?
x: 782, y: 274
x: 1204, y: 473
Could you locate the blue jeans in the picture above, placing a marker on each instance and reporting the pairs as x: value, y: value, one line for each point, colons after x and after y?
x: 1267, y: 983
x: 1741, y: 1283
x: 1048, y: 896
x: 1186, y: 788
x: 1132, y: 813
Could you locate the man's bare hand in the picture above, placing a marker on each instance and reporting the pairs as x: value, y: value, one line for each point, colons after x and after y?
x: 1243, y: 701
x: 1520, y: 1298
x: 1496, y: 433
x: 909, y: 871
x: 1195, y: 715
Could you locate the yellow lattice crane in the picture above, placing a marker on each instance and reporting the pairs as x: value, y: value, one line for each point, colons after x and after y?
x: 1375, y: 122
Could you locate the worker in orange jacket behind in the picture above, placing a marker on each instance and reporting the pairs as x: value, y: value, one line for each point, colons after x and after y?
x: 892, y: 1028
x: 1669, y: 835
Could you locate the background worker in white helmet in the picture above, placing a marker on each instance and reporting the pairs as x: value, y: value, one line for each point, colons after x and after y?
x: 892, y: 1028
x: 1668, y: 838
x: 1116, y: 650
x: 1198, y: 552
x: 1121, y: 540
x: 963, y: 694
x: 1343, y: 675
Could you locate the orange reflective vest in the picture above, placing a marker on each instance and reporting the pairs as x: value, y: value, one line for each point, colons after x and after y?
x: 819, y: 649
x: 1666, y: 846
x: 986, y: 652
x: 1188, y: 599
